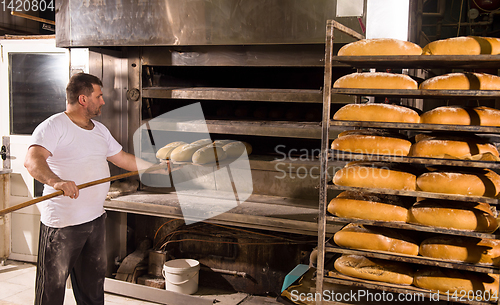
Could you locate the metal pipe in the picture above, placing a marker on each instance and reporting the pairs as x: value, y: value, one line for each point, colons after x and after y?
x: 223, y: 271
x: 441, y: 10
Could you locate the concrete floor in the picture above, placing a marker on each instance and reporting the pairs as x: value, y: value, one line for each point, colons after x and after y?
x: 17, y: 282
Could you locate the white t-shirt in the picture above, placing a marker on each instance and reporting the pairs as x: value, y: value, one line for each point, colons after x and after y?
x: 78, y: 155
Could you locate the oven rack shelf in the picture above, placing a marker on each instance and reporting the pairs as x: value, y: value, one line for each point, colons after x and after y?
x: 411, y: 226
x: 415, y: 194
x: 241, y: 94
x: 413, y: 259
x: 421, y: 61
x: 334, y: 277
x: 287, y: 129
x: 416, y: 126
x: 420, y: 93
x: 272, y: 213
x: 338, y: 155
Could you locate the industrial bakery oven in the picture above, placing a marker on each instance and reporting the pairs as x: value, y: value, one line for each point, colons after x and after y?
x: 255, y: 70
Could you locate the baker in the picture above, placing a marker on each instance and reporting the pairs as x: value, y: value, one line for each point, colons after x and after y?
x: 68, y: 149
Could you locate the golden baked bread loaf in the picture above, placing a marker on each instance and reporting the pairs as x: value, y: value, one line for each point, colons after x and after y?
x: 166, y: 151
x: 377, y: 112
x: 236, y: 149
x: 462, y: 81
x: 356, y: 236
x: 369, y: 206
x: 374, y: 269
x: 380, y: 46
x: 480, y: 182
x: 465, y: 45
x: 457, y: 115
x: 462, y: 249
x: 453, y: 46
x: 451, y: 146
x: 209, y: 154
x: 375, y: 80
x: 458, y: 215
x: 372, y: 142
x: 457, y: 282
x: 489, y: 45
x: 375, y: 175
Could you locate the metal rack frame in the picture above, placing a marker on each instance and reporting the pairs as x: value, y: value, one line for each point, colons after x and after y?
x: 327, y: 154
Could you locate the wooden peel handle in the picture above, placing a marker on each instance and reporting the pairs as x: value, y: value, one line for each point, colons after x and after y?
x: 82, y: 186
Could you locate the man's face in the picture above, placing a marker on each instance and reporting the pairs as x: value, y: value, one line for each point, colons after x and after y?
x: 95, y: 102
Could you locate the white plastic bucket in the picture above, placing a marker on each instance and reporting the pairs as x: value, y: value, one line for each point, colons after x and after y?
x: 181, y: 275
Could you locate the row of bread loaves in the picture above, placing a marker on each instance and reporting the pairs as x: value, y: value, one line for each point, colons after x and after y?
x: 457, y: 283
x: 467, y: 182
x: 395, y: 81
x: 454, y: 115
x: 465, y: 45
x: 203, y: 151
x: 448, y: 214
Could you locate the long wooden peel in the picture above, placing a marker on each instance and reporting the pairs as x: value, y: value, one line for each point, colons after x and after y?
x: 84, y: 185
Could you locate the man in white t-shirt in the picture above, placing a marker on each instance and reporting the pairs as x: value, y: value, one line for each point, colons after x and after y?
x: 69, y: 149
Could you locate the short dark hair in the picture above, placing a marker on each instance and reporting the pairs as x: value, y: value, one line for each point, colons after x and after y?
x: 81, y: 83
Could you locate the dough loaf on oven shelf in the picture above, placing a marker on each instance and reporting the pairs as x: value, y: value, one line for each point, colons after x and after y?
x: 165, y: 152
x: 362, y: 237
x: 377, y: 112
x: 375, y: 80
x: 360, y: 205
x: 374, y: 269
x: 450, y: 214
x: 209, y: 154
x: 379, y: 47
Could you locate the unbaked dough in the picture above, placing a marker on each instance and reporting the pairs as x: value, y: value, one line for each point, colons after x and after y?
x: 209, y: 154
x: 236, y: 149
x: 165, y: 151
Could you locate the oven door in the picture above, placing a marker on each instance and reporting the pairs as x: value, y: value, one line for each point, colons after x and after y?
x: 33, y: 75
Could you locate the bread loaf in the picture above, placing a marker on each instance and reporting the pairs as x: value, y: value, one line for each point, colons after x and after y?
x: 375, y: 80
x: 374, y: 175
x: 377, y: 112
x: 462, y: 81
x: 458, y: 215
x: 236, y: 149
x: 457, y: 282
x: 380, y: 46
x: 209, y: 154
x: 374, y: 269
x: 166, y: 151
x: 370, y: 206
x: 449, y: 146
x: 374, y: 143
x: 457, y: 115
x: 462, y: 249
x: 453, y: 46
x: 356, y: 236
x: 470, y: 183
x: 184, y: 153
x: 221, y: 143
x: 469, y: 45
